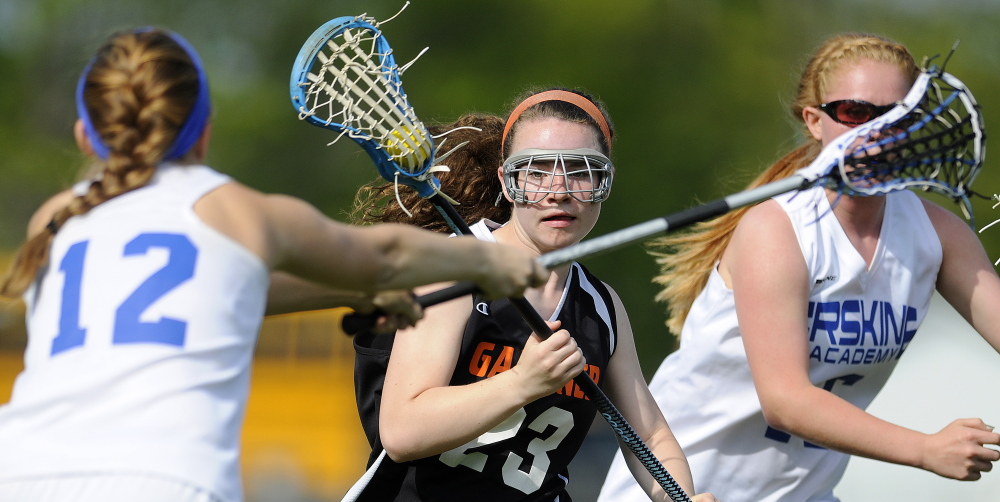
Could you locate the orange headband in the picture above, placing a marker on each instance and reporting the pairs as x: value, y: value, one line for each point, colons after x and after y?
x: 558, y: 95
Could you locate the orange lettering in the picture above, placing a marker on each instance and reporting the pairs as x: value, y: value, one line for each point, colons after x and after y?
x: 595, y: 373
x: 574, y: 390
x: 481, y: 362
x: 504, y: 361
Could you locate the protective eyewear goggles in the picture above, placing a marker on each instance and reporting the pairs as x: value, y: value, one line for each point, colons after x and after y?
x: 854, y: 112
x: 532, y: 174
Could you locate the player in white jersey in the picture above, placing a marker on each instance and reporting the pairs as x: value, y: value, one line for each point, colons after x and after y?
x: 793, y: 313
x: 146, y: 285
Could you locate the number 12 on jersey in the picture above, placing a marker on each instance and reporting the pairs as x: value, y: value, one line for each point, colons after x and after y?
x: 182, y: 255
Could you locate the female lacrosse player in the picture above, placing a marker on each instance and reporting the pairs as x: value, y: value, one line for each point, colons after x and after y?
x: 475, y: 406
x: 793, y: 313
x: 146, y: 286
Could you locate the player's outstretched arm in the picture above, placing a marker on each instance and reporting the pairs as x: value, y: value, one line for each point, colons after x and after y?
x: 292, y: 236
x: 288, y: 293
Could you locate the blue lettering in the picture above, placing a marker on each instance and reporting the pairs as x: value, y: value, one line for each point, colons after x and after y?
x: 883, y: 355
x: 889, y: 317
x: 775, y: 434
x: 909, y: 317
x: 71, y: 334
x: 868, y: 323
x: 830, y: 326
x: 128, y: 328
x: 850, y: 326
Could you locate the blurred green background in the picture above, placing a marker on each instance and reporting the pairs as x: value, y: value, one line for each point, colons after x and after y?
x: 697, y: 91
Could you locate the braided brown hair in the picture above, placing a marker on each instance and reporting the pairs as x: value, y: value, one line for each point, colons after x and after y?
x: 140, y: 89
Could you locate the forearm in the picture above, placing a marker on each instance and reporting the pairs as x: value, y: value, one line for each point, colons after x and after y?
x: 392, y: 256
x: 669, y: 453
x: 823, y: 418
x: 288, y: 293
x: 442, y: 418
x: 415, y: 257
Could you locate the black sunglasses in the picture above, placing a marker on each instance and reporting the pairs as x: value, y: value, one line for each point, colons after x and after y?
x: 854, y: 112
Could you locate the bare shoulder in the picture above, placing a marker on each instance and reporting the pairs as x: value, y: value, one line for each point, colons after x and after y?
x: 232, y: 195
x: 614, y: 294
x: 617, y: 302
x: 958, y: 239
x: 47, y: 210
x: 940, y: 217
x: 764, y: 225
x: 234, y: 201
x: 252, y: 218
x: 623, y: 324
x: 442, y: 326
x: 231, y: 204
x: 765, y: 216
x: 763, y: 235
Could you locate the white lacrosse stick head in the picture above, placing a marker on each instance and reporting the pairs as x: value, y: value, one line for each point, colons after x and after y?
x: 931, y: 140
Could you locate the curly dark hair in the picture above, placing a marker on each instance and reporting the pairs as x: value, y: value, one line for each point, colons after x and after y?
x: 472, y: 180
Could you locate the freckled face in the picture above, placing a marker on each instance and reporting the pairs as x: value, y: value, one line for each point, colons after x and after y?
x: 557, y: 220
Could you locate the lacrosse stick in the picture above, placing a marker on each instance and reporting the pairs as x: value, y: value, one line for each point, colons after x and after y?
x: 933, y: 140
x: 345, y: 79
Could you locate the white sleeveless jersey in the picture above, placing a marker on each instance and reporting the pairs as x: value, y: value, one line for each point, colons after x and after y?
x: 860, y: 321
x: 141, y: 332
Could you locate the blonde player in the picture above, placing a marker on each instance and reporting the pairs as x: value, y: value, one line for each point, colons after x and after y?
x: 794, y: 312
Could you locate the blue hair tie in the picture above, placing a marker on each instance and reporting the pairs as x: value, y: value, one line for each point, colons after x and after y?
x: 193, y: 125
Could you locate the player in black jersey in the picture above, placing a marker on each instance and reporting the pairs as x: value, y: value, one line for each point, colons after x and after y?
x: 473, y: 405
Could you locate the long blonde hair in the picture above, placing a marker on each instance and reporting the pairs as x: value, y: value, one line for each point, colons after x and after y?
x: 686, y: 259
x: 140, y: 88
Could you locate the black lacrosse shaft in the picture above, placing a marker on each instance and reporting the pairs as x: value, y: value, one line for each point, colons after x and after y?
x: 615, y: 419
x: 354, y: 323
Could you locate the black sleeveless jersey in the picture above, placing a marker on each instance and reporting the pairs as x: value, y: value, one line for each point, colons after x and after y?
x: 525, y: 458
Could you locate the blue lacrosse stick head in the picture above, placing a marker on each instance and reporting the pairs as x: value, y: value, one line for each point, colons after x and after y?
x: 386, y: 80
